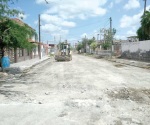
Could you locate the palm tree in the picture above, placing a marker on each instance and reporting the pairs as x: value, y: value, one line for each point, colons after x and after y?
x: 144, y: 31
x: 145, y: 22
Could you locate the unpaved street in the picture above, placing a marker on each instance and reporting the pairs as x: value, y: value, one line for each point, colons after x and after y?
x: 84, y: 91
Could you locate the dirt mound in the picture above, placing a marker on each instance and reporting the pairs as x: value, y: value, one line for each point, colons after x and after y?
x: 137, y: 95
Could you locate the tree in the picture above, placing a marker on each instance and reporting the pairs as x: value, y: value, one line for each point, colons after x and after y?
x: 144, y: 31
x: 106, y: 45
x: 84, y: 43
x: 93, y: 45
x: 90, y: 41
x: 142, y: 35
x: 6, y: 11
x: 13, y: 34
x: 79, y: 46
x: 108, y: 38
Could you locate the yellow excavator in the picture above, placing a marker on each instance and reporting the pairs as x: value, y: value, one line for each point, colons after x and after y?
x: 63, y: 52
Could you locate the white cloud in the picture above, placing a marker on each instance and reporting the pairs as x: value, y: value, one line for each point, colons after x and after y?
x: 23, y: 16
x: 54, y: 19
x: 53, y: 29
x: 130, y: 21
x: 99, y: 11
x: 131, y: 33
x: 55, y: 25
x: 50, y: 18
x: 75, y: 9
x: 120, y: 37
x: 50, y: 28
x: 118, y: 1
x: 36, y: 22
x: 111, y: 5
x: 68, y: 24
x: 84, y: 35
x: 60, y: 13
x: 60, y: 33
x: 40, y: 1
x: 132, y: 4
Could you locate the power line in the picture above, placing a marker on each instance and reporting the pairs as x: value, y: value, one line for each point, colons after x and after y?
x: 91, y: 23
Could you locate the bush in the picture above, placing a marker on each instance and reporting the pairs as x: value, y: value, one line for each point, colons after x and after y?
x: 106, y: 45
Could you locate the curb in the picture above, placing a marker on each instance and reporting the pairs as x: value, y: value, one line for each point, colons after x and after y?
x: 40, y: 62
x: 144, y: 66
x: 17, y: 70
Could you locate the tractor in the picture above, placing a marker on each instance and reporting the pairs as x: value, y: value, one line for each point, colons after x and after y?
x: 63, y: 52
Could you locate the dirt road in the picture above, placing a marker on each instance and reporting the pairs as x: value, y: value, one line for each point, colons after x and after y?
x: 84, y: 91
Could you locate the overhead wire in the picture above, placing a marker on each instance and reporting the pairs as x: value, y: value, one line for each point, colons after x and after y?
x: 76, y: 35
x: 92, y: 23
x: 81, y: 26
x: 96, y: 23
x: 92, y: 34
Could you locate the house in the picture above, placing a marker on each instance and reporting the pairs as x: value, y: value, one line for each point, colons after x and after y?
x: 52, y: 48
x: 133, y: 39
x: 20, y: 54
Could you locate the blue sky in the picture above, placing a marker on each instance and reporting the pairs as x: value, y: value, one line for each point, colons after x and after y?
x: 75, y: 19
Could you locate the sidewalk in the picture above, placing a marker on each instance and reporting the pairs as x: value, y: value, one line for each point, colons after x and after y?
x: 134, y: 63
x: 24, y: 65
x: 140, y: 64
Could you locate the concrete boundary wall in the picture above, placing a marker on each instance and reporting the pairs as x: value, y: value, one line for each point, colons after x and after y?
x: 136, y: 50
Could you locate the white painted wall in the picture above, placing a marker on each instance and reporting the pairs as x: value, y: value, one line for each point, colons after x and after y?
x: 135, y: 46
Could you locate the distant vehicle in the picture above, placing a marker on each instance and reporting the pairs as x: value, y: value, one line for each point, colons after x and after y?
x: 63, y: 52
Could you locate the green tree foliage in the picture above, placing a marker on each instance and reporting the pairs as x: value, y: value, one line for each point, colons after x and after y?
x: 106, y: 45
x: 84, y: 43
x: 90, y: 41
x: 6, y: 11
x: 108, y: 38
x: 13, y: 34
x: 142, y: 35
x: 144, y: 31
x: 79, y: 46
x: 93, y: 45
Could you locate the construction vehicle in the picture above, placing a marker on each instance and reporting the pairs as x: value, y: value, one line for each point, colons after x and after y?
x: 63, y: 52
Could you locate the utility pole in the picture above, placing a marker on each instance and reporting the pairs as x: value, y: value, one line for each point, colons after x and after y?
x: 145, y: 6
x: 100, y: 40
x: 39, y: 37
x: 54, y: 39
x: 144, y: 16
x: 85, y: 44
x: 60, y: 39
x: 97, y: 37
x: 100, y: 33
x: 111, y: 40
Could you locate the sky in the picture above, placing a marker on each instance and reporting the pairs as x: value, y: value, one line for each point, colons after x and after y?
x: 73, y: 20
